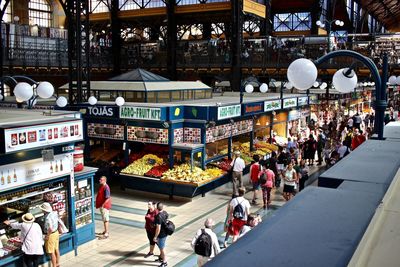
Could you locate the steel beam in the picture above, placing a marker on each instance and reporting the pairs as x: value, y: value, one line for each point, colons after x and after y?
x: 171, y: 40
x: 116, y: 37
x: 236, y: 45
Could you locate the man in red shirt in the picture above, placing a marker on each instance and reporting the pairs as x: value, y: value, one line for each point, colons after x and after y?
x: 103, y: 202
x: 358, y: 139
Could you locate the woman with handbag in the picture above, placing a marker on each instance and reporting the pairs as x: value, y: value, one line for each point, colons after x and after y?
x: 267, y: 186
x: 32, y: 239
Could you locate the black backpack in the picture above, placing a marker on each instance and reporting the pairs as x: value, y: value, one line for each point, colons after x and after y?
x: 169, y: 227
x: 203, y: 245
x: 263, y: 178
x: 238, y: 211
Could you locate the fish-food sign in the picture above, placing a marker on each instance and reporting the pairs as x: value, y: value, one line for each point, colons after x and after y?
x: 140, y: 113
x: 229, y: 112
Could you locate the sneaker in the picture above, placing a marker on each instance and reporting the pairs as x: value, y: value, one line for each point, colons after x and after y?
x: 148, y: 255
x: 158, y: 260
x: 163, y: 264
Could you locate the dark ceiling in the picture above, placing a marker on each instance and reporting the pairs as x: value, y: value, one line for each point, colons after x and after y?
x: 385, y: 11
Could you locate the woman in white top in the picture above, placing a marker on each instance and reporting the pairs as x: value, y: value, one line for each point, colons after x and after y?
x: 31, y: 237
x: 290, y: 180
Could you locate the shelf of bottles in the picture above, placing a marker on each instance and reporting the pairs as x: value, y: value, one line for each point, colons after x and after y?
x: 9, y: 178
x: 83, y: 203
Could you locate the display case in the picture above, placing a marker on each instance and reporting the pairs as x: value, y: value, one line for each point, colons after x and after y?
x: 83, y: 203
x: 15, y: 203
x: 217, y: 148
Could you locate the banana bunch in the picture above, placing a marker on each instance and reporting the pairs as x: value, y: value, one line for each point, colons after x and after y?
x: 214, y: 172
x: 184, y: 174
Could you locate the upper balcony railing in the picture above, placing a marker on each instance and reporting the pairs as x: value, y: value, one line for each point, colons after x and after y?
x: 35, y: 51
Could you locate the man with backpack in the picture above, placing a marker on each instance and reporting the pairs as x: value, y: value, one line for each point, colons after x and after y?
x: 239, y: 210
x: 163, y: 229
x: 205, y: 243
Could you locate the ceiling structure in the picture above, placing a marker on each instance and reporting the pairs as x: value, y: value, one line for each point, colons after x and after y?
x: 385, y: 11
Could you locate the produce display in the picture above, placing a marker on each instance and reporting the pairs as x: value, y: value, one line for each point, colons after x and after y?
x: 143, y: 165
x: 262, y: 148
x: 224, y: 164
x: 214, y: 172
x: 157, y: 171
x: 185, y: 174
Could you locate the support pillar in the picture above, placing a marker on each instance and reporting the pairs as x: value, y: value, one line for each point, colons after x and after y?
x: 171, y: 40
x: 236, y: 46
x: 116, y: 37
x: 206, y: 31
x: 315, y: 13
x: 2, y: 11
x: 266, y: 24
x: 77, y: 14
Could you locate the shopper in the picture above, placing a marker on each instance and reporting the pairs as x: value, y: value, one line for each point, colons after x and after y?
x: 310, y: 148
x: 32, y: 239
x: 160, y: 236
x: 103, y: 202
x: 268, y: 185
x: 150, y: 227
x: 205, y: 243
x: 304, y: 170
x: 239, y: 210
x: 237, y: 172
x: 320, y: 148
x: 273, y: 166
x: 252, y: 221
x: 255, y: 170
x: 228, y: 224
x: 343, y: 150
x: 290, y: 179
x: 357, y: 121
x: 52, y: 236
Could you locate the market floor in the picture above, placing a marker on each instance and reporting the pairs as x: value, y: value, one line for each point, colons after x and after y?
x: 128, y: 242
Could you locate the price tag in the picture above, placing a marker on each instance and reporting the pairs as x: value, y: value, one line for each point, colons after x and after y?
x: 82, y: 183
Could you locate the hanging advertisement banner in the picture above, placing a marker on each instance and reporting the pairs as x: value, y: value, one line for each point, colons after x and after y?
x: 140, y: 113
x: 272, y: 105
x: 290, y: 102
x: 32, y: 171
x: 36, y: 136
x: 302, y: 101
x: 229, y: 112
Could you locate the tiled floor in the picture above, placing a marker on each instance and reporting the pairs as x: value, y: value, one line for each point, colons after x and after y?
x: 128, y: 242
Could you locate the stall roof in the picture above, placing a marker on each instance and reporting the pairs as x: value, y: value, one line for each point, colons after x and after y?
x: 24, y: 117
x: 139, y: 75
x: 144, y: 86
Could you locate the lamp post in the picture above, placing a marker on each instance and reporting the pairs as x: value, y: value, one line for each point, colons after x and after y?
x: 345, y: 80
x: 29, y: 90
x: 328, y: 25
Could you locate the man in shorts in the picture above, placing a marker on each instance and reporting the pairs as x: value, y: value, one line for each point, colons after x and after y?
x: 52, y: 237
x: 160, y: 236
x: 103, y: 202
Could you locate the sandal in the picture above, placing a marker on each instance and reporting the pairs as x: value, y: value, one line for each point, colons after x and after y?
x: 148, y: 255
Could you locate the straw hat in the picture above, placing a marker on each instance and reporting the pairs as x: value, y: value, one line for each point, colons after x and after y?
x: 46, y: 207
x: 28, y: 218
x: 237, y: 152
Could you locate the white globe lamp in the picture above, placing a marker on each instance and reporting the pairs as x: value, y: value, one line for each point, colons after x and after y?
x: 18, y: 100
x: 316, y: 84
x: 249, y: 88
x: 23, y: 91
x: 302, y: 73
x: 1, y: 97
x: 263, y: 88
x: 398, y: 80
x: 92, y: 100
x: 392, y: 80
x: 120, y: 101
x: 61, y: 101
x: 45, y: 90
x: 319, y: 23
x: 344, y: 82
x: 324, y: 85
x: 288, y: 85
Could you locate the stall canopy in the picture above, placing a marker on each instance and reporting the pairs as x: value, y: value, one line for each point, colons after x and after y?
x: 139, y: 75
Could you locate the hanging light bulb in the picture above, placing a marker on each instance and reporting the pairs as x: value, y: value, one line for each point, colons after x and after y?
x: 258, y: 123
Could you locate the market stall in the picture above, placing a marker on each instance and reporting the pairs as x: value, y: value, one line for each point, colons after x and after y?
x: 37, y: 156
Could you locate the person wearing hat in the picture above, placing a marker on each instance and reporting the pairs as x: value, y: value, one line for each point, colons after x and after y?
x: 52, y: 237
x: 31, y: 237
x: 237, y: 172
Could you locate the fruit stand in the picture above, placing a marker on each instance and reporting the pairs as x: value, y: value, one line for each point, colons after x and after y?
x: 183, y: 149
